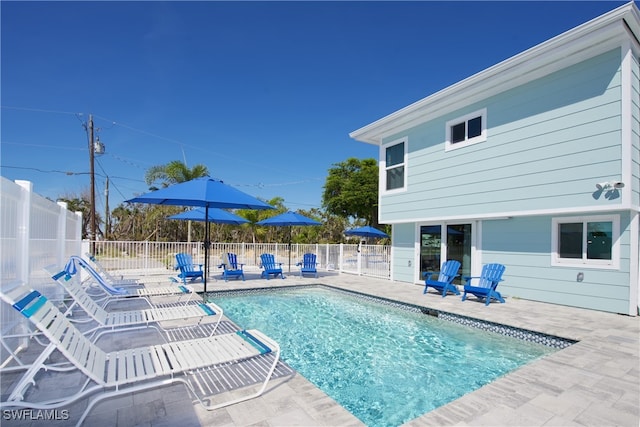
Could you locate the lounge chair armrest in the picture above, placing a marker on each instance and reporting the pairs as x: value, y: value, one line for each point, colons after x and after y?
x: 468, y: 279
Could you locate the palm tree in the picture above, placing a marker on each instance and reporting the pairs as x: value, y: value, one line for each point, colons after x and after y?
x: 175, y: 172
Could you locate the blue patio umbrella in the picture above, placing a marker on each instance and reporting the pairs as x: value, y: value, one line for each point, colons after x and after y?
x: 289, y: 219
x: 202, y: 192
x: 217, y: 216
x: 366, y: 231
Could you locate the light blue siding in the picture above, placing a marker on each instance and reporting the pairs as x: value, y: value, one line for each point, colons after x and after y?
x: 635, y: 130
x: 403, y: 251
x: 548, y: 143
x: 523, y: 245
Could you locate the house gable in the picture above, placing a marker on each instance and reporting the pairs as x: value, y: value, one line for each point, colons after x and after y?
x: 587, y: 40
x: 547, y: 143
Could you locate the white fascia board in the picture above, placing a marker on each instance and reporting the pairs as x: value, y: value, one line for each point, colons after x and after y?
x: 587, y: 40
x: 504, y: 215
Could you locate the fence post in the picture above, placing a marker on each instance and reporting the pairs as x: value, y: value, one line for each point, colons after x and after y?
x: 61, y: 235
x: 24, y: 233
x: 77, y: 234
x: 146, y: 256
x: 341, y: 257
x: 327, y: 252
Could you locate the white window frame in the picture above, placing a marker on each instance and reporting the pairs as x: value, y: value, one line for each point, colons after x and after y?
x: 384, y: 169
x: 613, y: 263
x: 468, y: 141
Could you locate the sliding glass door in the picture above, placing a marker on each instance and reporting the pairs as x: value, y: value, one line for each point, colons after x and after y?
x: 459, y: 248
x: 457, y: 245
x: 430, y: 248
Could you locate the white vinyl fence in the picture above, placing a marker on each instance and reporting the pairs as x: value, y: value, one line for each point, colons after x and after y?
x: 36, y: 232
x: 146, y: 258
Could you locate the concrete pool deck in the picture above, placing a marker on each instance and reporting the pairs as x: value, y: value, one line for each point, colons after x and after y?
x: 595, y: 382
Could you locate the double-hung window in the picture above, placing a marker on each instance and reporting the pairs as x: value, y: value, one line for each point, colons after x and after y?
x: 394, y: 167
x: 586, y: 241
x: 466, y: 130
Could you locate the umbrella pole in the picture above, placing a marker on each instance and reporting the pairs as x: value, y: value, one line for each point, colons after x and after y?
x: 206, y: 247
x: 290, y: 227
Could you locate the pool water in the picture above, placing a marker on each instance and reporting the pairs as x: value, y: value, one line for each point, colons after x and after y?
x: 384, y: 364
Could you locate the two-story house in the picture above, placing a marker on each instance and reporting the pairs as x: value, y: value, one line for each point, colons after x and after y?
x: 533, y: 163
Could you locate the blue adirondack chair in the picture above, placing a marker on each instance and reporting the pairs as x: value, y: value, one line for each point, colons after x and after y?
x: 486, y: 284
x: 270, y: 266
x: 443, y: 283
x: 231, y: 267
x: 308, y: 265
x: 188, y: 270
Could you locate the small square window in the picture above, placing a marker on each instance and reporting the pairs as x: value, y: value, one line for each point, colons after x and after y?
x: 588, y: 241
x: 570, y: 244
x: 475, y: 127
x: 466, y: 130
x: 458, y: 132
x: 599, y: 240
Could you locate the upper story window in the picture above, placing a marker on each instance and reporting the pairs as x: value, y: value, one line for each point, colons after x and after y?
x: 394, y: 167
x: 586, y: 241
x: 466, y: 130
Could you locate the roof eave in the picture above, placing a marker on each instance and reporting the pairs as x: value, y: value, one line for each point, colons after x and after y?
x: 606, y: 27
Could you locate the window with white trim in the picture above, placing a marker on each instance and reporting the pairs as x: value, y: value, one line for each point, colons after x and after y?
x: 394, y: 166
x: 467, y: 130
x: 586, y: 241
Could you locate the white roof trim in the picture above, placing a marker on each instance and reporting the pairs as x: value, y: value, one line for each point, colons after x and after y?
x: 596, y: 36
x: 588, y: 210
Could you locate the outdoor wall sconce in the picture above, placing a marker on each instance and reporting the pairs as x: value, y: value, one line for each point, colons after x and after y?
x: 611, y: 185
x: 611, y: 189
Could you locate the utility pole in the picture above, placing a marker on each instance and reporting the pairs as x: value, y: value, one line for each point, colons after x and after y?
x: 92, y: 215
x: 107, y: 222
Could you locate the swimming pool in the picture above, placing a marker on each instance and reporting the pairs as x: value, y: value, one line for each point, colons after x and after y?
x: 384, y: 364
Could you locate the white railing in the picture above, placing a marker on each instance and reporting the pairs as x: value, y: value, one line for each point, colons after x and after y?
x: 34, y: 232
x: 146, y: 258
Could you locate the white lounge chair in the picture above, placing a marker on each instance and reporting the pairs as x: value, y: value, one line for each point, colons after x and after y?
x: 115, y: 373
x: 108, y: 277
x: 109, y: 290
x: 141, y: 318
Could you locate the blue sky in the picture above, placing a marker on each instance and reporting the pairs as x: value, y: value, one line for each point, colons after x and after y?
x: 262, y: 93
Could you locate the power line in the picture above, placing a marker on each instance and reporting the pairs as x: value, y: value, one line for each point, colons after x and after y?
x: 39, y: 110
x: 174, y: 141
x: 107, y: 176
x: 43, y: 146
x: 281, y: 184
x: 113, y: 122
x: 70, y: 173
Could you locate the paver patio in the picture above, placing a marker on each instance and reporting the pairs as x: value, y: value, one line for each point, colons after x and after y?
x: 595, y: 382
